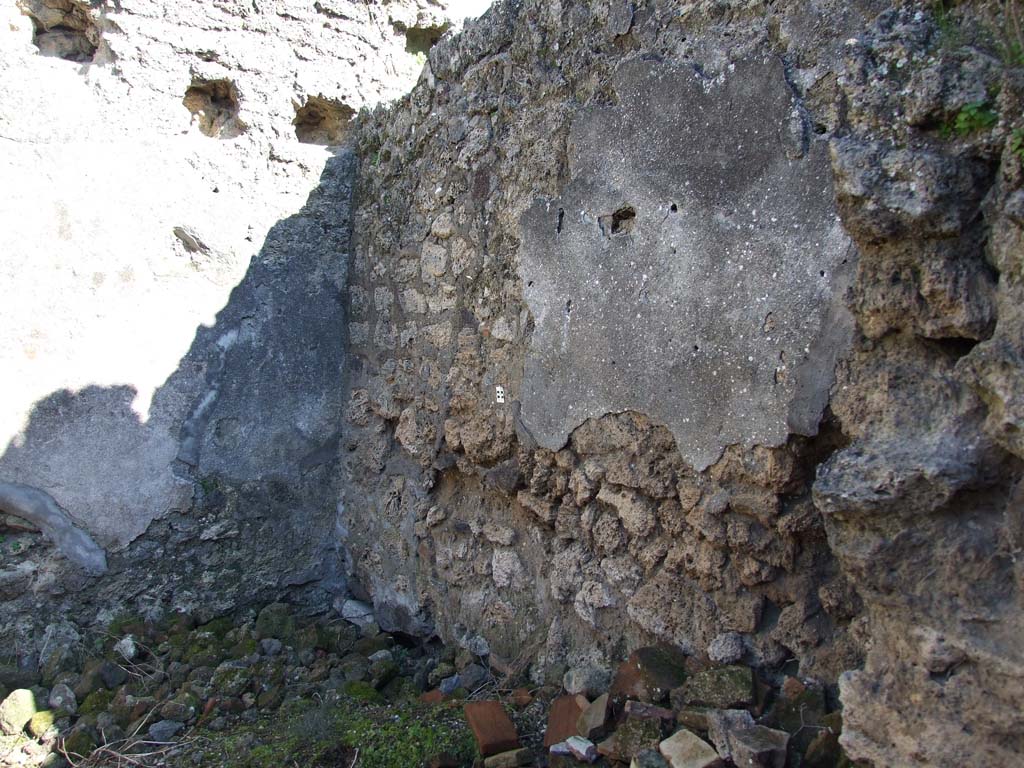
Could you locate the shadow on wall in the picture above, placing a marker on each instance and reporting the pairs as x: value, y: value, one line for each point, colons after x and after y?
x: 242, y: 437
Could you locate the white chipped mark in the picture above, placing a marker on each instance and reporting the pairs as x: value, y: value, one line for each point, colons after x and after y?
x: 499, y: 394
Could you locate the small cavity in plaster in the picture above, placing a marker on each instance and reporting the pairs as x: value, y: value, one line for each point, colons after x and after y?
x: 619, y: 223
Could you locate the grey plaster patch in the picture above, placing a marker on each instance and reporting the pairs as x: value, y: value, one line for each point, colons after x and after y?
x: 38, y: 507
x: 693, y: 268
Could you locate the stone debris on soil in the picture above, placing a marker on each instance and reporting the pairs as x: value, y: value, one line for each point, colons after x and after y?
x: 226, y: 674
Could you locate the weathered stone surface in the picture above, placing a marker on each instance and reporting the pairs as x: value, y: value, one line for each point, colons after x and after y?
x: 63, y: 698
x: 723, y: 688
x: 727, y: 648
x: 643, y: 288
x: 587, y: 680
x: 469, y: 506
x: 40, y: 723
x: 165, y: 730
x: 632, y: 737
x: 649, y: 758
x: 591, y: 722
x: 738, y: 738
x: 615, y: 533
x: 176, y: 358
x: 649, y: 674
x: 640, y: 709
x: 16, y: 710
x: 684, y: 749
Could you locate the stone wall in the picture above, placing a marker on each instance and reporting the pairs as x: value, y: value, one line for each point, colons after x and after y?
x: 698, y: 322
x: 174, y: 239
x: 694, y: 322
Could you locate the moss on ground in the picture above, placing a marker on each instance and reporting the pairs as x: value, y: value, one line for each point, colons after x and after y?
x: 311, y: 734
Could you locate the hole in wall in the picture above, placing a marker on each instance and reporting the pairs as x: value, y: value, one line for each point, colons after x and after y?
x: 623, y: 219
x: 419, y: 40
x: 64, y: 29
x: 673, y: 208
x: 619, y: 223
x: 561, y: 218
x: 323, y: 121
x: 214, y: 107
x: 954, y: 347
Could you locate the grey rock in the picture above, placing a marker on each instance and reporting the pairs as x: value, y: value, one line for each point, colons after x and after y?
x: 560, y: 748
x: 355, y: 668
x: 61, y: 651
x: 381, y: 655
x: 358, y: 613
x: 650, y: 758
x: 738, y: 738
x: 16, y: 710
x: 17, y: 677
x: 450, y: 684
x: 126, y: 648
x: 722, y: 722
x: 726, y: 648
x: 112, y: 674
x: 62, y: 697
x: 472, y: 677
x: 477, y: 645
x: 270, y: 646
x: 588, y: 680
x: 440, y: 672
x: 165, y: 730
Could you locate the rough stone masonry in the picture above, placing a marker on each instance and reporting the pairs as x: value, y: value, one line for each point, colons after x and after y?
x: 174, y: 236
x: 749, y: 274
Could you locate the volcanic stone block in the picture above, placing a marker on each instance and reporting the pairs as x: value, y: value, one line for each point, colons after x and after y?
x: 724, y: 688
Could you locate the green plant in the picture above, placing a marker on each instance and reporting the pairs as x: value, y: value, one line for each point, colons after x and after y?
x: 973, y: 117
x: 1017, y: 143
x: 319, y: 734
